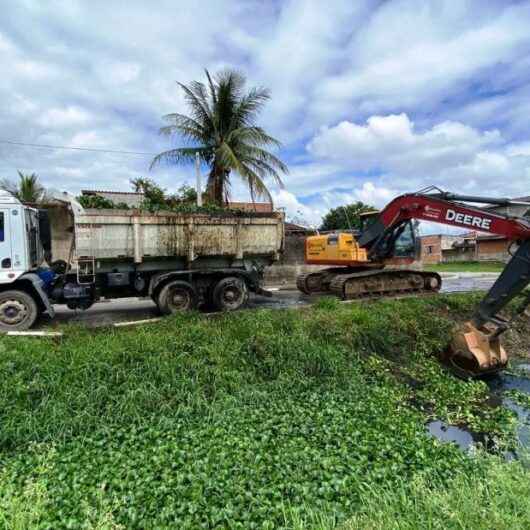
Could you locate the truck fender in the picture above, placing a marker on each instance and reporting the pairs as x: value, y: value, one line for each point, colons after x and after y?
x: 159, y: 279
x: 37, y: 285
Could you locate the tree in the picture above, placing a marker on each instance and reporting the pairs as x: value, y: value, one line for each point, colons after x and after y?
x: 156, y: 198
x: 154, y: 195
x: 222, y: 129
x: 27, y: 189
x: 345, y: 217
x: 99, y: 203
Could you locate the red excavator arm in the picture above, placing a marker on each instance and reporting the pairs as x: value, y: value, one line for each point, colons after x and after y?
x: 476, y: 348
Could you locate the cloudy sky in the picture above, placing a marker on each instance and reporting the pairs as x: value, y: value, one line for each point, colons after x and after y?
x: 370, y: 98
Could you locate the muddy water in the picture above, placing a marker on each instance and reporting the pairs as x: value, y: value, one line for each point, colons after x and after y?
x: 466, y: 439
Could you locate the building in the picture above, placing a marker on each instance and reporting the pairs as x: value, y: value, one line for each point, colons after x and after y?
x: 441, y: 248
x: 459, y: 247
x: 130, y: 198
x: 515, y: 210
x: 491, y: 247
x: 431, y: 249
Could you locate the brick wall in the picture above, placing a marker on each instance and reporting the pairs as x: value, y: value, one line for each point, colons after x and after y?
x: 431, y: 249
x: 459, y: 254
x: 493, y: 250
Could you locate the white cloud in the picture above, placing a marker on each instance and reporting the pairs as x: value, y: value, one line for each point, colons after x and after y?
x: 295, y: 211
x: 372, y: 194
x: 122, y: 73
x: 78, y: 81
x: 519, y: 149
x: 446, y: 43
x: 311, y: 211
x: 64, y: 117
x: 450, y: 155
x: 391, y: 141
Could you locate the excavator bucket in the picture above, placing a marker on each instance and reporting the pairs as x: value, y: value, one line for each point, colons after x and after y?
x: 474, y: 352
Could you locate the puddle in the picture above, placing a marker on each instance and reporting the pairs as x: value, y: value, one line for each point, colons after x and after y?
x: 524, y: 366
x: 504, y: 382
x: 523, y: 421
x: 450, y: 433
x: 466, y: 439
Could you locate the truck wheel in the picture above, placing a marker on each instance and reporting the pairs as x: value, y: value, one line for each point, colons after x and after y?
x: 18, y: 311
x: 175, y: 297
x: 230, y: 294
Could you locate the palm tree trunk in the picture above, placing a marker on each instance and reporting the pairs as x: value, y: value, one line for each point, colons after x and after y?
x: 216, y: 185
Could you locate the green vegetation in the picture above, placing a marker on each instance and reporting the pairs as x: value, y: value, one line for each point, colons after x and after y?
x: 28, y: 189
x: 156, y: 199
x: 497, y: 498
x: 267, y: 419
x: 467, y: 266
x: 345, y: 217
x: 221, y: 129
x: 100, y: 203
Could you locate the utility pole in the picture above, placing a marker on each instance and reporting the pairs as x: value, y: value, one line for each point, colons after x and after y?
x: 198, y: 174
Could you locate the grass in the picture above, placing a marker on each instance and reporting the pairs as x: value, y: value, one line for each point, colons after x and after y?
x: 498, y: 497
x: 467, y: 266
x: 266, y: 419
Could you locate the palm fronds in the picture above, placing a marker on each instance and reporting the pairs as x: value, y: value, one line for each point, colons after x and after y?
x: 222, y: 129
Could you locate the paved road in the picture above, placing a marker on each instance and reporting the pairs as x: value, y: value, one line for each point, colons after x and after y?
x: 131, y: 309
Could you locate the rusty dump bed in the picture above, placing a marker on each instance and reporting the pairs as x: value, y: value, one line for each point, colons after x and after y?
x: 131, y: 235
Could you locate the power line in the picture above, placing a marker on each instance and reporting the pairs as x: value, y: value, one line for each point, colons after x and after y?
x: 93, y: 149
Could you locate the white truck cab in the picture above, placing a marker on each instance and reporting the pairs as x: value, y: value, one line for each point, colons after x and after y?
x: 21, y: 250
x: 22, y: 296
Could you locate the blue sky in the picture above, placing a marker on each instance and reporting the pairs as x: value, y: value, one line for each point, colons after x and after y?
x: 370, y: 98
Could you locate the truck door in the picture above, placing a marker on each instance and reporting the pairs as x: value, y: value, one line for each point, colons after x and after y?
x: 6, y: 262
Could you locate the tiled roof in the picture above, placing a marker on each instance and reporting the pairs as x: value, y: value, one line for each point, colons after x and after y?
x: 92, y: 192
x: 263, y: 207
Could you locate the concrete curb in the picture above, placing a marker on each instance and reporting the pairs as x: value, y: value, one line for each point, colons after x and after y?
x: 136, y: 322
x: 34, y: 334
x: 457, y: 275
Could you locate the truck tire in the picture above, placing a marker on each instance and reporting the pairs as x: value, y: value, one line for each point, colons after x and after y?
x: 176, y: 296
x: 230, y: 294
x: 18, y: 311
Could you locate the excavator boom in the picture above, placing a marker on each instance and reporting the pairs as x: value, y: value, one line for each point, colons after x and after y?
x: 476, y: 347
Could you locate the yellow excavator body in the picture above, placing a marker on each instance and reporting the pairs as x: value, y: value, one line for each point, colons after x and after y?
x: 334, y: 249
x: 352, y: 273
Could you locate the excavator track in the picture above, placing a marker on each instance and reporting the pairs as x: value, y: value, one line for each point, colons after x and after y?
x: 309, y: 283
x: 383, y: 283
x: 316, y: 282
x: 319, y: 281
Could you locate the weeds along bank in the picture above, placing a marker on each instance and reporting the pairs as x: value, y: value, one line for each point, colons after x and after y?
x: 269, y: 419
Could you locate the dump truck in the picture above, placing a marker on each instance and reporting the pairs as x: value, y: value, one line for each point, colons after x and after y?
x: 62, y: 253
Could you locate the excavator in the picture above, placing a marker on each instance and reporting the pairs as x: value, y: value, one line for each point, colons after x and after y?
x: 371, y: 263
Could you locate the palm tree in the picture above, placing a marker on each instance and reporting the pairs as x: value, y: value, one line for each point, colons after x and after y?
x: 222, y: 129
x: 28, y: 189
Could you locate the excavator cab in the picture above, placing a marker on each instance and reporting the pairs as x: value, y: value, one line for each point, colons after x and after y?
x: 400, y: 246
